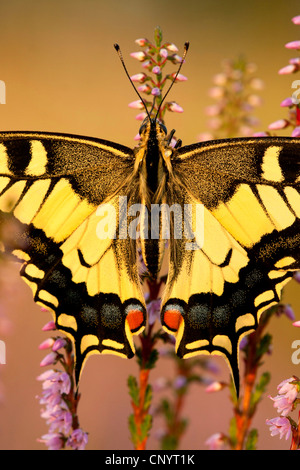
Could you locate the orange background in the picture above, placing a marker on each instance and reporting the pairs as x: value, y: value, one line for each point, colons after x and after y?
x: 62, y: 74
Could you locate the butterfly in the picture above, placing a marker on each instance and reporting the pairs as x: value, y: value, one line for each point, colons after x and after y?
x: 82, y: 207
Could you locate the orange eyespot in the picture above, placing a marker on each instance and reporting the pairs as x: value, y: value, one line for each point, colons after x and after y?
x: 135, y: 319
x: 172, y: 319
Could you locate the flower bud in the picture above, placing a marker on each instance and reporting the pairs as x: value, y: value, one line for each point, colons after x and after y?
x: 215, y: 387
x: 141, y: 116
x: 280, y: 124
x: 136, y: 104
x: 49, y: 326
x: 49, y: 359
x: 144, y: 88
x: 287, y: 69
x: 138, y: 55
x: 171, y: 47
x: 293, y: 45
x: 296, y: 132
x: 47, y: 344
x: 163, y: 53
x: 142, y: 41
x: 287, y: 102
x: 156, y: 69
x: 296, y: 19
x: 147, y: 64
x: 260, y: 134
x: 175, y: 107
x: 155, y: 91
x: 59, y: 343
x: 139, y: 77
x: 180, y: 77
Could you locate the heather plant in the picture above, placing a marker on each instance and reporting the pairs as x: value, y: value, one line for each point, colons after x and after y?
x: 59, y: 398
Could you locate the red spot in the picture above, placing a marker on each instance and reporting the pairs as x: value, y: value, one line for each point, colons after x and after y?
x: 172, y: 319
x: 135, y: 319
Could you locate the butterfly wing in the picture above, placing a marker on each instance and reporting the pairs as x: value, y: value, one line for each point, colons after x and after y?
x: 60, y: 193
x: 248, y: 193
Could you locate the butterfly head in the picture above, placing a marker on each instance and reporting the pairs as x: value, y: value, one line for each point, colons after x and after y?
x: 152, y: 126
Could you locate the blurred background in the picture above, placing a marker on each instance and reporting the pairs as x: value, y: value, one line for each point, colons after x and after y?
x: 62, y: 74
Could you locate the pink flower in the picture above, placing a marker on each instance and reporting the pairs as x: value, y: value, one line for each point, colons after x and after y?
x: 287, y: 69
x: 287, y: 102
x: 58, y: 344
x: 296, y: 19
x: 147, y: 64
x: 180, y: 77
x: 156, y: 69
x: 297, y: 324
x: 296, y: 276
x: 136, y: 104
x: 279, y: 425
x: 179, y: 382
x: 144, y: 88
x: 287, y: 394
x: 138, y: 55
x: 78, y: 439
x: 51, y: 358
x: 260, y: 134
x: 163, y: 53
x: 214, y: 387
x: 49, y: 326
x: 296, y: 132
x: 175, y: 107
x: 141, y: 116
x: 52, y: 440
x: 141, y: 41
x: 215, y: 442
x: 285, y: 309
x: 139, y: 77
x: 293, y: 45
x: 171, y: 47
x: 289, y: 389
x: 59, y: 418
x: 155, y: 91
x: 153, y: 310
x: 283, y: 405
x: 48, y: 343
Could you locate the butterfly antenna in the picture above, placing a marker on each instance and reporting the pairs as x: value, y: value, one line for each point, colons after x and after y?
x: 117, y: 47
x: 186, y: 47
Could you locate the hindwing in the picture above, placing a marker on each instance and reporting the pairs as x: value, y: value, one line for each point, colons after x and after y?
x: 61, y: 195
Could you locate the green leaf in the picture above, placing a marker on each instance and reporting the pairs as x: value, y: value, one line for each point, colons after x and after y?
x: 167, y: 411
x: 146, y: 426
x: 148, y: 398
x: 233, y: 431
x: 259, y: 390
x: 263, y: 345
x: 133, y: 389
x: 132, y: 429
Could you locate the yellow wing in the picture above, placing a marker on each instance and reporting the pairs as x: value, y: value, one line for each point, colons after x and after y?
x: 248, y: 241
